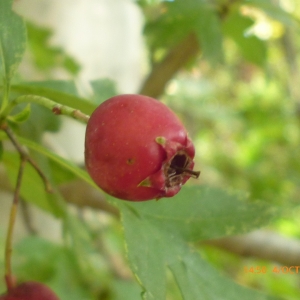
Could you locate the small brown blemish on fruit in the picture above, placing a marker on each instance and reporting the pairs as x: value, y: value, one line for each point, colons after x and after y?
x: 130, y: 161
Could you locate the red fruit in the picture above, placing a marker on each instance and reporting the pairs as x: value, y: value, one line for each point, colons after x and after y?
x: 137, y: 149
x: 30, y: 291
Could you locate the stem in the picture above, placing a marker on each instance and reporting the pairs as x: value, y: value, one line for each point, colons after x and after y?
x: 27, y: 217
x: 55, y: 107
x: 24, y: 154
x: 13, y: 213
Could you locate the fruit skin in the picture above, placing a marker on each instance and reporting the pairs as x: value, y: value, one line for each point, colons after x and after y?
x: 30, y: 290
x: 130, y: 144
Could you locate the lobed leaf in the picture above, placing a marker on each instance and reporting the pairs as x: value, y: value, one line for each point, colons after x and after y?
x: 158, y: 236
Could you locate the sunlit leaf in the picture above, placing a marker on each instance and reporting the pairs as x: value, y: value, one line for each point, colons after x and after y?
x: 45, y: 55
x: 253, y: 49
x: 274, y: 10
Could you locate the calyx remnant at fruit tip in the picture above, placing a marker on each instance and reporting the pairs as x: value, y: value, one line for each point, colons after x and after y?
x: 179, y: 168
x: 175, y: 171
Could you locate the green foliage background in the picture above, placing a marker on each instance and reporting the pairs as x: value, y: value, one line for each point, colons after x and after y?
x: 236, y: 89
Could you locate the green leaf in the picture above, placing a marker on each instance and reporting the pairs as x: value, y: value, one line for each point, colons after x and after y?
x: 21, y: 116
x: 45, y: 56
x: 158, y: 236
x: 199, y: 213
x: 65, y: 86
x: 32, y: 187
x: 208, y: 31
x: 55, y: 265
x: 12, y: 40
x: 196, y: 277
x: 103, y: 89
x: 235, y: 26
x: 60, y: 174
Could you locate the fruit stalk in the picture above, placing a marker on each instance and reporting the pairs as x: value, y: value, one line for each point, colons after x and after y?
x: 24, y: 158
x: 13, y: 213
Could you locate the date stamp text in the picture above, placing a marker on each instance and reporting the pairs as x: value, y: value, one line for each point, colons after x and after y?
x: 275, y: 270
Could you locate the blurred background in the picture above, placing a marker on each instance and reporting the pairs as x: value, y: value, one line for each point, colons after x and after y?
x: 229, y: 69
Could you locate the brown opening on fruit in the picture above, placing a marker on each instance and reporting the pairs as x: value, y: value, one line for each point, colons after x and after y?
x: 179, y: 168
x: 130, y: 161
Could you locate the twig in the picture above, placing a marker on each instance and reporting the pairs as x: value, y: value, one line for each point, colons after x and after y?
x: 177, y: 57
x: 262, y: 244
x: 55, y: 107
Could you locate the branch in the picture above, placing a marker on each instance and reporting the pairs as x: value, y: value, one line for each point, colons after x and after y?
x: 177, y: 57
x: 81, y: 194
x: 262, y: 244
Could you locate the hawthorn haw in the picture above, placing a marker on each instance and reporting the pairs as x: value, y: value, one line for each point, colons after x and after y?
x: 30, y: 290
x: 137, y: 149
